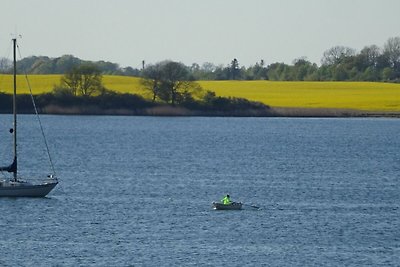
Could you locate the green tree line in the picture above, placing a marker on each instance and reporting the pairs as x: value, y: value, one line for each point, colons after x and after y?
x: 61, y: 65
x: 338, y: 63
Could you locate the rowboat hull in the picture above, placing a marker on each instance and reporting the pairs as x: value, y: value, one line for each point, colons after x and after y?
x: 232, y: 206
x: 17, y: 189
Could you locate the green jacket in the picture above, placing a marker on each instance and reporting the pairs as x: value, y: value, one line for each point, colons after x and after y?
x: 226, y: 200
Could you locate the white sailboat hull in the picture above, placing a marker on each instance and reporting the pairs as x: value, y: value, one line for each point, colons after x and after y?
x: 26, y: 189
x: 15, y: 187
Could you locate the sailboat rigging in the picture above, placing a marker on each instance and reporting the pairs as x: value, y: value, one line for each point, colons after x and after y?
x: 16, y: 187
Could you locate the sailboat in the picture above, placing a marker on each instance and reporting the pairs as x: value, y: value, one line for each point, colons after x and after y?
x: 15, y: 187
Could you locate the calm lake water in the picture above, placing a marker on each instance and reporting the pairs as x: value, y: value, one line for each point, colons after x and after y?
x: 137, y: 191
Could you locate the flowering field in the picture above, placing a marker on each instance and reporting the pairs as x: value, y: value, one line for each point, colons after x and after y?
x: 45, y: 83
x: 353, y: 95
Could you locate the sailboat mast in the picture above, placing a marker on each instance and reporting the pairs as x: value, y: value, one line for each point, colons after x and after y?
x: 15, y: 107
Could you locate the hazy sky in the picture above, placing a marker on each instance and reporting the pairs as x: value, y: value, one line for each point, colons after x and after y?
x: 216, y: 31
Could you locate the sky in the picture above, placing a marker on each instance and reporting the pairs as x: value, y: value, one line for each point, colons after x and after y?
x: 195, y: 31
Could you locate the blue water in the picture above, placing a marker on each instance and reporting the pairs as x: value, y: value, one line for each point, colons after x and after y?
x: 137, y: 191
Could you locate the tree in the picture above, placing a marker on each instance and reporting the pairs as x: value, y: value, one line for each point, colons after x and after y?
x: 392, y: 51
x: 152, y: 79
x: 84, y: 80
x: 387, y: 74
x: 369, y: 56
x: 222, y: 73
x: 340, y: 73
x: 71, y: 81
x: 5, y: 65
x: 303, y: 69
x: 278, y: 72
x: 66, y: 63
x: 170, y: 82
x: 129, y: 71
x: 189, y: 90
x: 175, y: 75
x: 336, y: 54
x: 43, y: 65
x: 256, y: 72
x: 208, y: 67
x: 235, y: 70
x: 370, y: 74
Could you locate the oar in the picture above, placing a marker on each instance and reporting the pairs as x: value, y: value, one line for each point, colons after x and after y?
x: 253, y: 206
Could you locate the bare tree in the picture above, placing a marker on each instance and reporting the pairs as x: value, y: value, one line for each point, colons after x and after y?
x: 151, y: 81
x: 336, y: 54
x: 5, y: 65
x: 371, y: 55
x: 71, y: 80
x: 84, y: 80
x: 170, y: 82
x: 391, y: 50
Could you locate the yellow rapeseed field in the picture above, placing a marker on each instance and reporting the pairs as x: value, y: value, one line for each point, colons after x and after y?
x: 39, y: 83
x: 353, y: 95
x: 45, y: 83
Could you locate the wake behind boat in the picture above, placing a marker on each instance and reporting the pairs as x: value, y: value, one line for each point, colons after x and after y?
x: 15, y: 187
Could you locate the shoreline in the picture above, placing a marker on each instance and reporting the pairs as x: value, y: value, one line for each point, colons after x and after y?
x: 169, y: 111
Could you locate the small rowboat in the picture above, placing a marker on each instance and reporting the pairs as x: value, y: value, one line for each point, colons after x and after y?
x: 231, y: 206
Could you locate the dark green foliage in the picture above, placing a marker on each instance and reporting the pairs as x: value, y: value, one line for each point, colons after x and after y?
x: 101, y: 104
x: 61, y: 65
x: 107, y: 100
x: 85, y: 80
x: 339, y: 63
x: 60, y: 102
x: 235, y: 70
x: 5, y: 102
x: 24, y: 103
x: 169, y: 82
x: 229, y: 104
x: 112, y: 100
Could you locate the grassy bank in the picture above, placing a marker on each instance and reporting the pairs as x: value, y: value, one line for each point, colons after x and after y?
x: 365, y: 96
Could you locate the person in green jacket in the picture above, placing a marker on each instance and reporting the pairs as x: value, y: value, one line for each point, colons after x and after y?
x: 226, y: 200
